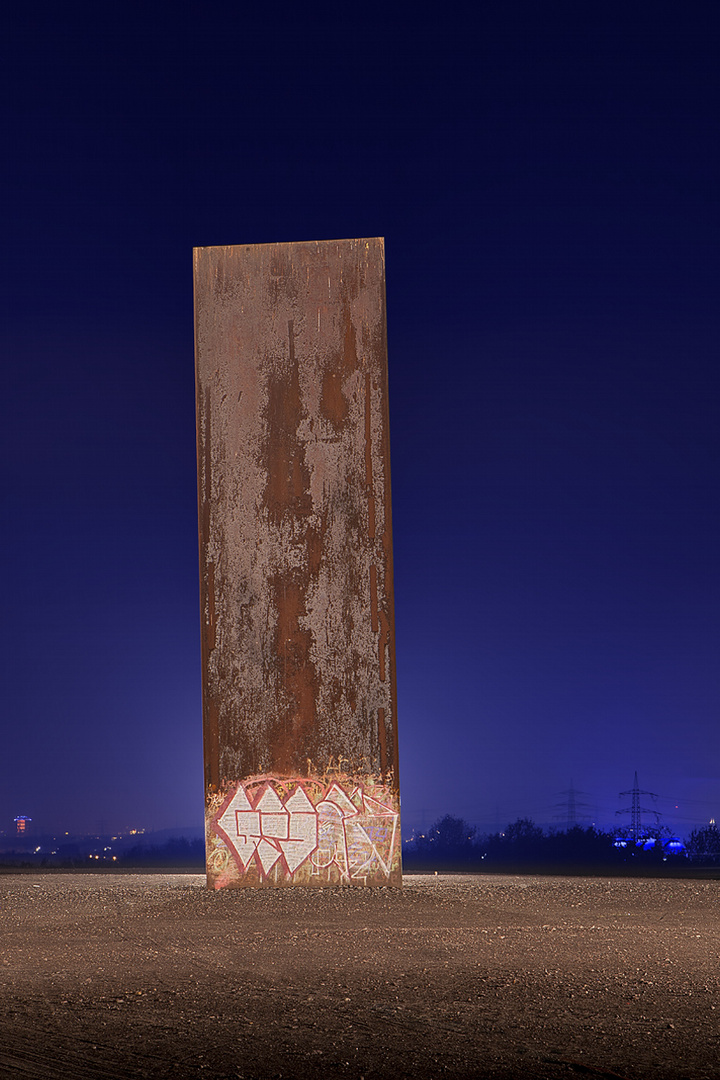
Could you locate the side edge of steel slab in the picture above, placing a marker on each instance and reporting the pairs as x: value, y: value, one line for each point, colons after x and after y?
x: 299, y: 698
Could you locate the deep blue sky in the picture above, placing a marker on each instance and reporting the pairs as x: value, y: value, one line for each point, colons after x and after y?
x: 547, y: 178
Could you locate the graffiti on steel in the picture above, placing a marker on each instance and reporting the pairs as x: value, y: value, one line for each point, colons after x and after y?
x: 279, y: 831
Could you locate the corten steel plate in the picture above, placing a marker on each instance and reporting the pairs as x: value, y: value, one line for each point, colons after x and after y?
x: 299, y: 699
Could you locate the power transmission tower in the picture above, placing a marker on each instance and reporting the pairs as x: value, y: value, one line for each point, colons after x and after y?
x: 636, y: 810
x: 571, y: 807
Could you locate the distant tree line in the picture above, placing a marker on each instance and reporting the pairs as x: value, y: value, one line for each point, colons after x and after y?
x: 453, y: 844
x: 704, y: 845
x: 449, y: 844
x: 86, y: 853
x: 176, y: 852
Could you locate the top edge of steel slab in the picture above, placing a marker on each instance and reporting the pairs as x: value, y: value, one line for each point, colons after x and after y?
x: 293, y: 243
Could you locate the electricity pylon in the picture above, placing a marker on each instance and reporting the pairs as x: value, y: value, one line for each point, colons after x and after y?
x: 636, y: 810
x: 571, y: 807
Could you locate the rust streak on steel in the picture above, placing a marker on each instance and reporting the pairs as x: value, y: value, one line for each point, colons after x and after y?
x: 298, y: 653
x: 368, y: 458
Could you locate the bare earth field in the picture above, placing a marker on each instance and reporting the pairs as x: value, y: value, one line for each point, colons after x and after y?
x: 152, y: 975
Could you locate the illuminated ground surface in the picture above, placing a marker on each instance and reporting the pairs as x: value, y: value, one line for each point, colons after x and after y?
x: 153, y: 976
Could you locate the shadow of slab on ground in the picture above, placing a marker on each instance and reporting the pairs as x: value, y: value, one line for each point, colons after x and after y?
x: 155, y: 976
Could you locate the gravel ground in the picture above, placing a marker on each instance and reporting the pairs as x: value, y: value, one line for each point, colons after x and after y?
x: 134, y: 975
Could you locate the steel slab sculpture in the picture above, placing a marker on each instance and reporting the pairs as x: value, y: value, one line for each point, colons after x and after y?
x: 299, y: 697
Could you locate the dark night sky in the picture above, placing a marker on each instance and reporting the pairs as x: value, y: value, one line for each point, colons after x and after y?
x: 547, y: 179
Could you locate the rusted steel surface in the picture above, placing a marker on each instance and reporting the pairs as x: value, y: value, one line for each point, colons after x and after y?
x: 299, y: 699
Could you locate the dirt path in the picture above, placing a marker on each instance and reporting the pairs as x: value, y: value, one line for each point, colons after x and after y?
x: 154, y: 976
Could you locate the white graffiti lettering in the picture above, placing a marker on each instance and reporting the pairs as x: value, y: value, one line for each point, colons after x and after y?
x: 351, y: 835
